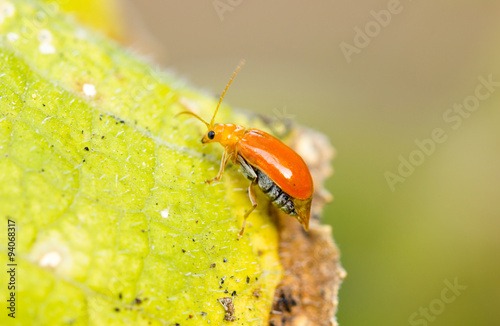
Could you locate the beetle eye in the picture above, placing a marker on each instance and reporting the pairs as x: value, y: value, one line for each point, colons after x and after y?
x: 211, y: 134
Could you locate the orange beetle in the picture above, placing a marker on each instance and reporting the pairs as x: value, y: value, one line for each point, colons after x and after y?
x: 278, y: 170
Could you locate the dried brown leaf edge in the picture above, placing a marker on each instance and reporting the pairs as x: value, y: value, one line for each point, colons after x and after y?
x: 308, y: 292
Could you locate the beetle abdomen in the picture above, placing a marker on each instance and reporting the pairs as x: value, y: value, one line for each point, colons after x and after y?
x: 278, y: 197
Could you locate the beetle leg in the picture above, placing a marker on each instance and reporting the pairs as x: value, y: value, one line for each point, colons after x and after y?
x: 253, y: 199
x: 223, y: 163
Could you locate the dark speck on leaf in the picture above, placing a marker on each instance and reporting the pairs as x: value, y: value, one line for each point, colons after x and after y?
x: 43, y: 104
x: 87, y: 149
x: 224, y: 260
x: 212, y: 265
x: 120, y: 295
x: 233, y: 294
x: 137, y: 301
x: 102, y: 137
x: 117, y: 309
x: 183, y: 250
x: 248, y: 279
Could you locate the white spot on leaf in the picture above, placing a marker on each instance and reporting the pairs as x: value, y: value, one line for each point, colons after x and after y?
x: 12, y: 37
x: 7, y: 10
x: 47, y: 48
x: 89, y: 90
x: 165, y: 213
x: 52, y: 254
x: 51, y: 259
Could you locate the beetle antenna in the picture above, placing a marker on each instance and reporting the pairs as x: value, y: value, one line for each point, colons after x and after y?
x: 225, y: 90
x: 194, y: 115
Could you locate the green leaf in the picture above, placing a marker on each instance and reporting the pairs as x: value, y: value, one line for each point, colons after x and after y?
x: 114, y: 223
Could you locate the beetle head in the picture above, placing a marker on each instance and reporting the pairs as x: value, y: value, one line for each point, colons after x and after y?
x: 227, y: 134
x: 213, y: 135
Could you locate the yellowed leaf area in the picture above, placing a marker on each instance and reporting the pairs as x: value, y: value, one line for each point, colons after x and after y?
x: 103, y: 15
x: 114, y: 223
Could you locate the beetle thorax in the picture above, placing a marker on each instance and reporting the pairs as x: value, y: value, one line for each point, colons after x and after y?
x: 228, y: 134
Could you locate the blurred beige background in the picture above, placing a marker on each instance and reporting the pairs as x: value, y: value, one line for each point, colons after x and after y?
x: 402, y: 248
